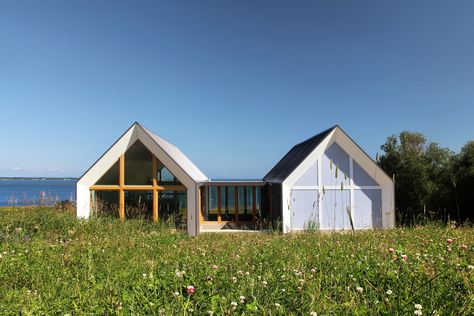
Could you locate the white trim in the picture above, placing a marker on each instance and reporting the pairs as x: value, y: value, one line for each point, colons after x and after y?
x: 336, y: 187
x: 320, y: 192
x: 351, y: 186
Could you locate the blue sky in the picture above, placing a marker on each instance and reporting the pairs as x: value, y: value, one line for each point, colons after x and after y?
x: 234, y: 84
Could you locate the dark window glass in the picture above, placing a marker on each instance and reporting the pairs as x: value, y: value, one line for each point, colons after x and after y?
x: 111, y: 177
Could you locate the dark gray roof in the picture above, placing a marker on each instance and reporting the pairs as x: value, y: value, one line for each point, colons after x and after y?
x: 295, y: 156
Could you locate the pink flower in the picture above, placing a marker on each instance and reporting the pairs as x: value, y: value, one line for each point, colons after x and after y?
x: 215, y: 267
x: 391, y: 250
x: 449, y: 240
x: 190, y: 290
x: 464, y: 247
x: 404, y: 257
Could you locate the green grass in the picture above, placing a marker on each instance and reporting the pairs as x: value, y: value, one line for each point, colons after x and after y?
x: 52, y: 263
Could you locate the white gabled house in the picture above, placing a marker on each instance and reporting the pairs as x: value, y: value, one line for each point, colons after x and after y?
x: 326, y: 181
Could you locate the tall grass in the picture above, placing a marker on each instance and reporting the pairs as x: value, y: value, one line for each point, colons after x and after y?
x: 53, y: 263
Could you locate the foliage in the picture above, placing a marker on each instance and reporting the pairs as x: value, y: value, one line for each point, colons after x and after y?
x: 53, y: 263
x: 426, y: 176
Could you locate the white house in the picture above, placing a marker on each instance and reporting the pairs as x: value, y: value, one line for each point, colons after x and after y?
x: 330, y: 183
x: 326, y: 181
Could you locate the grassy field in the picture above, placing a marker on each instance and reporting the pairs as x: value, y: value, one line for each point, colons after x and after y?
x: 51, y: 263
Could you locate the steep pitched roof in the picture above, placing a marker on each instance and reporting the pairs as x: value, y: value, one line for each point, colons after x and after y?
x: 295, y: 156
x: 178, y: 156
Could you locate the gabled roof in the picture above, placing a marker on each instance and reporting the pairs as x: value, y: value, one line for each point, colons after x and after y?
x: 295, y: 156
x: 177, y: 155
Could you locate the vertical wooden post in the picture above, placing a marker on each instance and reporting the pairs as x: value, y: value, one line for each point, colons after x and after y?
x: 236, y: 193
x: 254, y: 204
x: 121, y: 190
x: 219, y: 215
x: 155, y: 189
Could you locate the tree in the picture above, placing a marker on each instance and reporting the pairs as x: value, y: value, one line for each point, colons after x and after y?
x: 464, y: 181
x: 422, y: 176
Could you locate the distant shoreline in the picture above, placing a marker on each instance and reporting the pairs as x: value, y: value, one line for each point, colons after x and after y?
x: 37, y: 178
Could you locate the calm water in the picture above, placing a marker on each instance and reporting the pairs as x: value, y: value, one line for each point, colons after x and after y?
x: 30, y: 192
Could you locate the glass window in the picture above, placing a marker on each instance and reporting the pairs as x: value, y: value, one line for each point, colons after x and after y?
x: 172, y: 207
x: 245, y: 211
x: 111, y: 177
x: 138, y: 204
x: 210, y: 214
x: 138, y: 165
x: 105, y: 203
x: 166, y: 177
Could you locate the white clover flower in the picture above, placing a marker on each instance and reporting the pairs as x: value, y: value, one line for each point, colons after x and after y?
x: 176, y: 294
x: 389, y: 292
x: 359, y: 289
x: 277, y: 305
x: 210, y: 313
x: 144, y: 275
x: 418, y: 312
x: 418, y: 306
x: 313, y: 314
x: 242, y: 298
x: 313, y: 270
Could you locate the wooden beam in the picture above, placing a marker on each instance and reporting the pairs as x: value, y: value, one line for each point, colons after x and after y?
x: 121, y: 191
x: 105, y: 187
x: 155, y: 206
x: 155, y: 191
x: 138, y: 187
x: 254, y: 204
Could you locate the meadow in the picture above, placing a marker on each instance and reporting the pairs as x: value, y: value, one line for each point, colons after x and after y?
x: 53, y: 264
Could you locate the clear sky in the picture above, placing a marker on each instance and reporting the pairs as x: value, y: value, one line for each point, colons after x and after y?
x: 234, y: 84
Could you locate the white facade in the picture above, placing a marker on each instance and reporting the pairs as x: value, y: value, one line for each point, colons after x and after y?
x: 315, y: 193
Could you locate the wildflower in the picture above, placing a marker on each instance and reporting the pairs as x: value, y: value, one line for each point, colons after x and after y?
x: 190, y: 290
x: 176, y: 294
x: 233, y: 279
x: 242, y: 299
x: 449, y: 241
x: 210, y: 313
x: 391, y: 250
x: 359, y: 289
x: 470, y: 267
x: 265, y: 283
x: 389, y: 292
x: 313, y: 270
x: 215, y: 267
x: 313, y: 314
x: 277, y: 305
x: 464, y: 247
x: 234, y: 305
x: 144, y: 275
x: 404, y: 257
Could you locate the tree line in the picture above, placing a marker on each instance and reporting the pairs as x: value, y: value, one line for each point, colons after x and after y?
x: 431, y: 182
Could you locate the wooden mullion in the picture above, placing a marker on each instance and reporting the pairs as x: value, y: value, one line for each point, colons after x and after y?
x: 105, y: 187
x: 155, y: 191
x: 121, y: 191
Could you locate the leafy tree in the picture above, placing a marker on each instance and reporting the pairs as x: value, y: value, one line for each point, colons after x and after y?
x: 423, y: 177
x: 464, y: 181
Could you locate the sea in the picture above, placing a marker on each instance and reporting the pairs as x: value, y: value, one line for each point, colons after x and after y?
x: 36, y: 191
